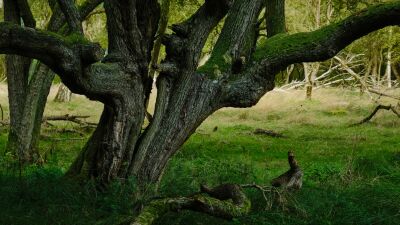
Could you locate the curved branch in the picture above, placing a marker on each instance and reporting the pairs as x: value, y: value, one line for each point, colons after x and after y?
x: 87, y: 7
x: 322, y: 44
x: 63, y: 55
x: 283, y: 50
x: 226, y: 201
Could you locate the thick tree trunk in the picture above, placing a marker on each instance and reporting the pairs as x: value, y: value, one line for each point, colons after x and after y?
x: 233, y: 77
x: 173, y: 124
x: 63, y: 94
x: 108, y: 152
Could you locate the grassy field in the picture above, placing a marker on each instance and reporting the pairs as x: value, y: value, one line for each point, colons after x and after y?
x: 352, y: 174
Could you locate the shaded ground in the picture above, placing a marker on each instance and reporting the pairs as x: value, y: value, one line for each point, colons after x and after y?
x: 351, y: 173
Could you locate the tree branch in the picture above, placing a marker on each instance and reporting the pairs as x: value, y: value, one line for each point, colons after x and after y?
x: 379, y: 107
x: 225, y: 201
x: 61, y: 54
x: 71, y: 14
x: 87, y: 7
x: 322, y: 44
x: 237, y: 40
x: 282, y: 50
x: 26, y: 13
x: 58, y: 19
x: 191, y: 35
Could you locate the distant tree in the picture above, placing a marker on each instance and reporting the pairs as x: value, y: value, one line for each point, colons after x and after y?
x: 238, y: 74
x: 63, y: 94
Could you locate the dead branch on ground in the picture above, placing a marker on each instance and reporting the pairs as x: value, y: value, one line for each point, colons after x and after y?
x: 376, y: 110
x: 70, y: 118
x: 270, y: 133
x: 225, y: 201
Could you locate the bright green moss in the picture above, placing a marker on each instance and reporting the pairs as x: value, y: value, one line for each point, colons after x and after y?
x: 219, y: 61
x: 281, y: 43
x: 76, y: 38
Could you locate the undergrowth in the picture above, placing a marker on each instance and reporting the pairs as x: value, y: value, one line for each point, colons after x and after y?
x: 351, y: 174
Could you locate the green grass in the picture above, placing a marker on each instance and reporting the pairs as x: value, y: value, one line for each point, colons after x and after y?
x: 351, y: 174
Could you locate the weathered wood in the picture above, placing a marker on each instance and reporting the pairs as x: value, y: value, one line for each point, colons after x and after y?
x: 30, y: 99
x: 226, y: 201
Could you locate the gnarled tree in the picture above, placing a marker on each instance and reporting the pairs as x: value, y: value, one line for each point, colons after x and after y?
x: 28, y: 88
x: 238, y: 73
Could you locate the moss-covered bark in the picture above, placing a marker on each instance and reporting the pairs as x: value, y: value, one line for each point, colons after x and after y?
x: 222, y: 208
x: 237, y: 40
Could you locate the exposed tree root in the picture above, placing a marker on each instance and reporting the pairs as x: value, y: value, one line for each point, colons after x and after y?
x: 226, y: 201
x: 379, y: 107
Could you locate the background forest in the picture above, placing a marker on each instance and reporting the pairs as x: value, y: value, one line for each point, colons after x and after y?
x: 351, y: 172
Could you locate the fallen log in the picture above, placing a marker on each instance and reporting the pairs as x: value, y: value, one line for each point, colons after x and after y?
x: 226, y: 201
x: 231, y: 202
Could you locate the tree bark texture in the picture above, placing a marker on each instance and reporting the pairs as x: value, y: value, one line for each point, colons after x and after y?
x: 28, y: 96
x: 275, y: 17
x: 63, y: 94
x: 238, y: 74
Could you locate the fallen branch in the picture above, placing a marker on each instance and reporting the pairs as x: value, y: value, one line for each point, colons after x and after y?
x: 75, y: 119
x: 379, y: 107
x: 226, y: 201
x: 270, y: 133
x: 66, y: 117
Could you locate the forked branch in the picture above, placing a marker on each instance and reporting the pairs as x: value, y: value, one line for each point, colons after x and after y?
x: 282, y: 50
x: 62, y: 55
x: 71, y: 14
